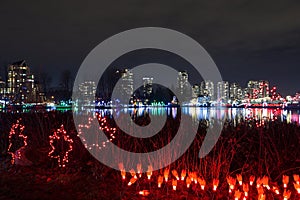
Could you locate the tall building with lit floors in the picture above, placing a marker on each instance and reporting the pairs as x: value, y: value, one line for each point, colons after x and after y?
x: 147, y: 89
x: 21, y: 86
x: 252, y: 89
x: 87, y: 91
x: 223, y: 91
x: 263, y: 89
x: 208, y: 89
x: 235, y: 92
x: 196, y: 91
x: 125, y: 84
x: 183, y: 85
x: 2, y: 88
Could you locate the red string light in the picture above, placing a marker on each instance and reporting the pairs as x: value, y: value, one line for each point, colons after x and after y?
x: 103, y: 127
x: 58, y: 142
x: 16, y: 132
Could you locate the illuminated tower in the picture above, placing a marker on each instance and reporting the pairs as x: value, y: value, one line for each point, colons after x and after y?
x: 235, y: 92
x: 126, y: 83
x: 263, y: 89
x: 208, y: 89
x: 2, y: 88
x: 223, y: 91
x: 182, y: 82
x: 20, y: 84
x: 253, y: 89
x: 196, y: 91
x: 88, y: 90
x: 147, y: 88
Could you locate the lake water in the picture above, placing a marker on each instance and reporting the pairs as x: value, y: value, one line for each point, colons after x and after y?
x: 201, y: 113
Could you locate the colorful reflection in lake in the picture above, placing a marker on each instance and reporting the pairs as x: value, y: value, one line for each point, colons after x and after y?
x: 236, y: 115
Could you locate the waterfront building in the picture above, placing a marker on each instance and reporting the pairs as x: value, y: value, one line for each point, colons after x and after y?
x: 182, y: 82
x: 2, y: 88
x: 223, y: 91
x: 125, y: 88
x: 87, y: 91
x: 21, y: 85
x: 196, y: 91
x: 207, y: 89
x: 147, y: 89
x: 263, y: 89
x: 235, y: 92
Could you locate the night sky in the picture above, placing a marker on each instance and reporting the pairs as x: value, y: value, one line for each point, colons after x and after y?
x: 247, y: 39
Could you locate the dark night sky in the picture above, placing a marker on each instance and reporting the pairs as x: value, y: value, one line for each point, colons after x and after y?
x: 247, y: 39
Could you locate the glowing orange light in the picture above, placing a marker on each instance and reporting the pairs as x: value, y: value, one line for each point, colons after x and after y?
x: 202, y: 183
x: 297, y: 187
x: 174, y: 172
x: 188, y: 182
x: 183, y: 174
x: 237, y: 195
x: 276, y: 190
x: 261, y: 195
x: 231, y: 182
x: 132, y: 173
x: 160, y: 180
x: 144, y: 192
x: 166, y: 174
x: 258, y: 182
x: 265, y: 182
x: 251, y: 180
x: 123, y: 174
x: 239, y: 179
x: 296, y: 178
x: 139, y: 170
x: 174, y: 184
x: 149, y: 172
x: 215, y: 184
x: 286, y: 194
x: 246, y: 189
x: 285, y: 180
x: 132, y: 181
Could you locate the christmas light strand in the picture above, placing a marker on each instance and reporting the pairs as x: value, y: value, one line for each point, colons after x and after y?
x: 103, y: 127
x: 60, y: 137
x: 16, y: 131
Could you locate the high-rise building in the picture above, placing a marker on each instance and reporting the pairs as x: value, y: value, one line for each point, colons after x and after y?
x: 258, y: 89
x: 196, y: 91
x: 2, y: 88
x: 147, y: 88
x: 147, y: 85
x: 208, y: 89
x: 21, y: 86
x: 263, y: 89
x: 126, y: 83
x: 235, y: 92
x: 253, y: 89
x: 182, y: 82
x: 87, y: 91
x: 223, y: 91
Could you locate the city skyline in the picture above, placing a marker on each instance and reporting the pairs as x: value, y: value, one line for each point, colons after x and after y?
x: 248, y: 40
x: 244, y: 84
x: 21, y: 88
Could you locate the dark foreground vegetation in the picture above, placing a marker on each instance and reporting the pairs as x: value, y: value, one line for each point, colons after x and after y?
x: 248, y: 148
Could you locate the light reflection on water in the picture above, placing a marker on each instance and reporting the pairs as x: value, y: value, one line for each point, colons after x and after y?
x: 236, y: 115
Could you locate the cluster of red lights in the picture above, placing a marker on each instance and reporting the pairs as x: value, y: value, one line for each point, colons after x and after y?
x: 103, y: 127
x: 16, y: 132
x: 61, y: 144
x: 238, y: 188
